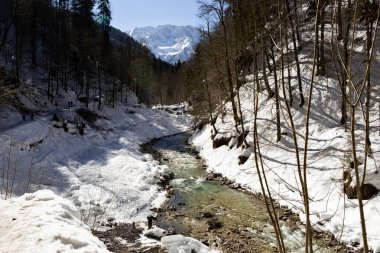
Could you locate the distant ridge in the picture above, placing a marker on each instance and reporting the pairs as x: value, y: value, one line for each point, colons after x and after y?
x: 170, y: 43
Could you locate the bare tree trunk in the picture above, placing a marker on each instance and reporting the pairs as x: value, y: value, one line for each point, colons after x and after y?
x: 353, y: 102
x: 210, y: 110
x: 339, y: 20
x: 369, y: 48
x: 33, y: 40
x: 297, y: 25
x: 309, y: 229
x: 6, y: 32
x: 113, y: 91
x: 356, y: 169
x: 87, y: 86
x: 266, y: 82
x: 262, y: 179
x: 121, y: 71
x: 301, y: 97
x: 322, y: 65
x: 227, y: 65
x: 18, y: 44
x: 277, y: 96
x: 288, y: 67
x: 343, y: 119
x: 99, y: 89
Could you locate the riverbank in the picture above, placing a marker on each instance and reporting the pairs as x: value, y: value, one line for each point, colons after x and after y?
x: 101, y: 170
x: 328, y: 155
x: 215, y: 211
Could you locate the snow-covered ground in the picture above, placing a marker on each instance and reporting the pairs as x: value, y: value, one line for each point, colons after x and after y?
x: 104, y: 168
x: 328, y: 153
x: 103, y: 173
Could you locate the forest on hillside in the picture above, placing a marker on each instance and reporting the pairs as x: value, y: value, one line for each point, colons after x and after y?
x: 70, y: 44
x: 261, y: 38
x: 300, y: 59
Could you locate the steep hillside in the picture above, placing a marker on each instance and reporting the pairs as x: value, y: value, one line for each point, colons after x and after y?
x: 90, y: 158
x: 282, y: 161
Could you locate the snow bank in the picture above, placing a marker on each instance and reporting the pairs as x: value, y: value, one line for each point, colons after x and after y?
x: 44, y: 222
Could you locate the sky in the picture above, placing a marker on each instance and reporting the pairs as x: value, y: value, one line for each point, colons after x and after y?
x: 128, y: 14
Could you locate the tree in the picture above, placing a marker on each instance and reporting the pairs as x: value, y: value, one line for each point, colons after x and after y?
x: 83, y: 24
x: 104, y: 19
x: 217, y: 9
x: 295, y: 50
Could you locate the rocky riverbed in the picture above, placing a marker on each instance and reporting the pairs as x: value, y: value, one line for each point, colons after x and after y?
x: 212, y: 209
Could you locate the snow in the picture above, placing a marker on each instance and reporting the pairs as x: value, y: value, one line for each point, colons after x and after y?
x: 155, y: 232
x: 181, y: 244
x: 180, y: 108
x: 100, y: 175
x: 79, y: 181
x: 44, y: 222
x: 328, y: 153
x: 168, y: 42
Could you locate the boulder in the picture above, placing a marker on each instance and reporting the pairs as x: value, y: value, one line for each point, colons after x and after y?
x: 221, y: 141
x: 156, y: 233
x: 242, y: 159
x: 367, y: 190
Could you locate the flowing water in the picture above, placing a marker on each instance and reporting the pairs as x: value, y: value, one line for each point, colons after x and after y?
x: 198, y: 207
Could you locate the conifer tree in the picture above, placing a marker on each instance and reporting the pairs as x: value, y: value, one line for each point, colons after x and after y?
x: 83, y: 17
x: 83, y: 25
x: 104, y: 19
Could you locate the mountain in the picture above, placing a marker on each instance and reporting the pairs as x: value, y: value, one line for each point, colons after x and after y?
x: 170, y: 43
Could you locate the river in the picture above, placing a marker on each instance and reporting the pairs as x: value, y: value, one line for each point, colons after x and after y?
x: 227, y: 219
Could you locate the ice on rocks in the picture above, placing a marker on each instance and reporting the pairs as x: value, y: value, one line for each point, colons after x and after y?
x: 156, y: 233
x: 182, y: 244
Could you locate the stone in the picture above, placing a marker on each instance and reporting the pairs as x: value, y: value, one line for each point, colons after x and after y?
x: 214, y: 224
x: 367, y: 190
x: 221, y: 141
x: 156, y: 233
x: 241, y: 138
x: 207, y: 215
x: 210, y: 177
x: 150, y: 221
x: 235, y: 186
x: 242, y: 159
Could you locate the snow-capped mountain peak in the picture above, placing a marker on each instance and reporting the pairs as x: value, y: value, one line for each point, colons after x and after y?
x: 168, y: 42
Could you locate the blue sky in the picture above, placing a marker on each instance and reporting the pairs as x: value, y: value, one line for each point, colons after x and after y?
x: 127, y: 14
